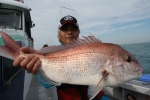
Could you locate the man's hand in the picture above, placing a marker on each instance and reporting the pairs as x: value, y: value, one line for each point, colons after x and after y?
x: 31, y: 63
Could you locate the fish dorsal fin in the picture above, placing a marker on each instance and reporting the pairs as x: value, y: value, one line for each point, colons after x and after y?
x: 74, y: 43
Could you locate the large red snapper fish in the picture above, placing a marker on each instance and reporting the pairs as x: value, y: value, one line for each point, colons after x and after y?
x: 85, y: 61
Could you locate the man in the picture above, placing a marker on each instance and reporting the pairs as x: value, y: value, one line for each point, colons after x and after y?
x: 68, y: 31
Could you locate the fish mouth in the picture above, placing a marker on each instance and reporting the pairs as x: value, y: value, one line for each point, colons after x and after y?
x: 139, y: 71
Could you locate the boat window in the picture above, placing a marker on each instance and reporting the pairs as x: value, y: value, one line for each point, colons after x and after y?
x: 27, y: 28
x: 9, y: 71
x: 10, y: 19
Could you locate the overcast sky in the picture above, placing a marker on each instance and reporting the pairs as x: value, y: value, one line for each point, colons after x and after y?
x: 114, y: 21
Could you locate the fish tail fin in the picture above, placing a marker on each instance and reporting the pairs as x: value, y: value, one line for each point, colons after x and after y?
x: 10, y: 49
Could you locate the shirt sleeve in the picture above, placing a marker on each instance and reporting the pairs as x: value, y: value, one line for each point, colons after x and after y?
x: 42, y: 83
x: 104, y: 97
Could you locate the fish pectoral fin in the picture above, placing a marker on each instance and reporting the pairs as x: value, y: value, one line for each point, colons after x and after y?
x: 42, y: 78
x: 94, y: 90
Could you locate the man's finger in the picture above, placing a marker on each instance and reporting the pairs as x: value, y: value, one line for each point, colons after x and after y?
x: 31, y: 64
x: 36, y: 67
x: 27, y: 50
x: 17, y: 61
x: 26, y: 61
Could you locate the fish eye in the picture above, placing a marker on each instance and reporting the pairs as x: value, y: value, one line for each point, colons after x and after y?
x: 128, y: 58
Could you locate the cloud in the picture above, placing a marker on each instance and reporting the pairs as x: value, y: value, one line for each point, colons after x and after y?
x: 96, y: 16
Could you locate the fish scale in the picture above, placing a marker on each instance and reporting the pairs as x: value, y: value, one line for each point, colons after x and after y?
x: 73, y: 67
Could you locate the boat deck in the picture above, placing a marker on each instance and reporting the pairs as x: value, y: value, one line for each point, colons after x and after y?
x: 139, y: 90
x: 37, y: 92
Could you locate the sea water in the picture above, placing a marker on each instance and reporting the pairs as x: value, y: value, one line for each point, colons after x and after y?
x: 141, y: 51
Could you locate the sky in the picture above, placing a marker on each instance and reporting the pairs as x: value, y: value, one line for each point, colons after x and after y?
x: 111, y: 21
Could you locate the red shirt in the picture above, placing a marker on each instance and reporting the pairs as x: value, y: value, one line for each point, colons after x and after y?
x: 75, y: 92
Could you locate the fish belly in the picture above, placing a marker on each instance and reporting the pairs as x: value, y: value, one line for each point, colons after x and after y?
x: 80, y: 71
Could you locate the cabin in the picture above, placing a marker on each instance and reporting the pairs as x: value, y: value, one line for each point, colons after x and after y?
x: 15, y: 20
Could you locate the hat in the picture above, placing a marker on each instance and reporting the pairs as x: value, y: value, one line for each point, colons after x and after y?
x: 68, y: 19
